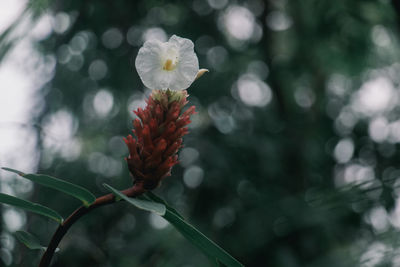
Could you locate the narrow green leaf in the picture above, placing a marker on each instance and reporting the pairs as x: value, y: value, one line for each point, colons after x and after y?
x: 212, y: 250
x: 200, y: 240
x: 14, y: 171
x: 206, y: 245
x: 151, y: 206
x: 73, y: 190
x: 29, y: 240
x: 151, y: 196
x: 30, y: 206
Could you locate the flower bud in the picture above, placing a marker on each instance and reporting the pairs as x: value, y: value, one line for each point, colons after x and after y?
x: 159, y: 131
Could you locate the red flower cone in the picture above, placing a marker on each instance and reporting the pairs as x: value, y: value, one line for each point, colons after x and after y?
x: 159, y: 131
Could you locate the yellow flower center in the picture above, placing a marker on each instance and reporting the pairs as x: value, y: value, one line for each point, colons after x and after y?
x: 169, y: 65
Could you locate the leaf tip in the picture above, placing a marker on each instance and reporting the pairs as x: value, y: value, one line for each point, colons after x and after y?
x: 163, y: 211
x: 13, y: 170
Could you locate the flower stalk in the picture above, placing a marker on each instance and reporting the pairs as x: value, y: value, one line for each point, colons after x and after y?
x: 159, y: 129
x: 167, y: 68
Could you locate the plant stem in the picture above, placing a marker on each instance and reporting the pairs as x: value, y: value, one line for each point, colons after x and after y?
x: 76, y: 215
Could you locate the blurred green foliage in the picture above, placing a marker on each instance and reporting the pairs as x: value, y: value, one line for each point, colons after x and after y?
x: 280, y: 97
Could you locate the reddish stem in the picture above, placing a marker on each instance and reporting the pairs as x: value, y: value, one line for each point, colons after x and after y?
x: 76, y: 215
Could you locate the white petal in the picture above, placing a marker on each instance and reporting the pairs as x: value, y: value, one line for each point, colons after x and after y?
x: 152, y: 57
x: 162, y: 79
x: 179, y: 81
x: 188, y: 64
x: 181, y: 42
x: 148, y: 63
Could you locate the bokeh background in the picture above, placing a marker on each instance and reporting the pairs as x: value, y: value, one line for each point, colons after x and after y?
x: 292, y: 159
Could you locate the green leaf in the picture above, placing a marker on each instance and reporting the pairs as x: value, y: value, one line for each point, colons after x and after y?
x: 29, y: 240
x: 76, y: 191
x: 30, y: 206
x: 151, y: 196
x: 218, y: 256
x: 151, y: 206
x: 200, y: 240
x: 206, y: 245
x: 14, y: 171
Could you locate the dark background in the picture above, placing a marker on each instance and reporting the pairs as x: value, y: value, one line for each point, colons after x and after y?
x: 291, y: 160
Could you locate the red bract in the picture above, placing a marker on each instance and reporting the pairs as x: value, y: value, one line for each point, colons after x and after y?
x: 159, y: 131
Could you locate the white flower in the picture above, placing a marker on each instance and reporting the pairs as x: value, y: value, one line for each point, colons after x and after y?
x: 172, y: 65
